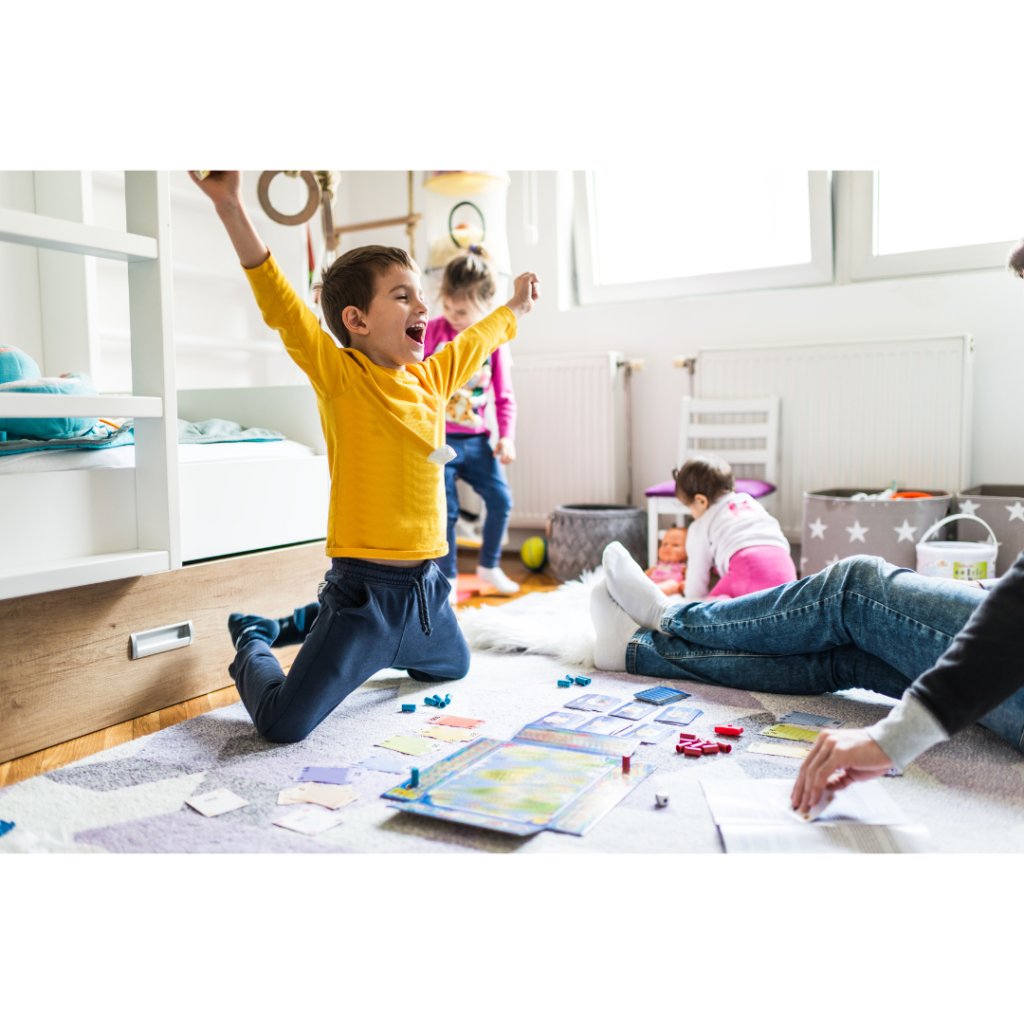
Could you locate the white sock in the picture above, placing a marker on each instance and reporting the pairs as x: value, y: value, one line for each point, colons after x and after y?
x: 497, y: 578
x: 631, y: 589
x: 614, y: 629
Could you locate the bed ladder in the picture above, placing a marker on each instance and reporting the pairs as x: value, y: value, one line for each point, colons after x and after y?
x: 146, y: 247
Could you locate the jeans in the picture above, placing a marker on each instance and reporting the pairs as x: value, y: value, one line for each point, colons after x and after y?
x: 370, y: 617
x: 861, y: 623
x: 475, y: 463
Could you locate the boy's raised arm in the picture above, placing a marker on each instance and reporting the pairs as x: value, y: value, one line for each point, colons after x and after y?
x: 225, y: 190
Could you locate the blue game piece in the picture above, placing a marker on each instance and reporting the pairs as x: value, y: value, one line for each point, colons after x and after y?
x: 415, y: 780
x: 564, y: 682
x: 408, y: 707
x: 5, y: 827
x: 447, y: 699
x: 583, y: 680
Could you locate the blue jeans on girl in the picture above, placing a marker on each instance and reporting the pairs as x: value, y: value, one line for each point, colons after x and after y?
x: 862, y: 623
x: 475, y: 463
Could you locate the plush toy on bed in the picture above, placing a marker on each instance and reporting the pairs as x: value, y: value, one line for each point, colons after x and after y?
x: 19, y: 372
x: 670, y: 570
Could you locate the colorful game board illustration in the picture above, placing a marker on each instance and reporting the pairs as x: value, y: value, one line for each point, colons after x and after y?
x: 596, y: 702
x: 604, y: 725
x: 635, y: 710
x: 649, y: 732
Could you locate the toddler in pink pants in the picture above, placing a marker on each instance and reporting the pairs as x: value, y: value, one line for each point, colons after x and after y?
x: 730, y: 532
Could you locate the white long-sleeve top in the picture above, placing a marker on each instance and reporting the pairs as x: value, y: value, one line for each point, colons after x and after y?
x: 732, y: 523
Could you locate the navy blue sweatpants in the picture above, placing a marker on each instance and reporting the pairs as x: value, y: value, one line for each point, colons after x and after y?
x: 371, y: 617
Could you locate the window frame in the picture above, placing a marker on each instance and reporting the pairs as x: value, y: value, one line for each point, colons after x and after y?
x: 590, y: 291
x: 867, y: 265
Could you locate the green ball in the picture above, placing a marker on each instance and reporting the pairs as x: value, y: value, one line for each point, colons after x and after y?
x: 534, y: 553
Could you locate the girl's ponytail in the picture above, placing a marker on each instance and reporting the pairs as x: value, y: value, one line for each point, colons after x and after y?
x: 472, y: 274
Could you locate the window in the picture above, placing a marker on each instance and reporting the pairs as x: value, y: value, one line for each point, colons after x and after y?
x: 643, y: 233
x: 908, y: 222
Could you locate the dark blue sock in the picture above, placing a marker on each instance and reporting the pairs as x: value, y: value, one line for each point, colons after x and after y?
x: 245, y: 628
x: 295, y: 628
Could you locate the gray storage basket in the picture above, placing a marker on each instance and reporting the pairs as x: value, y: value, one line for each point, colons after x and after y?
x: 836, y: 527
x: 1002, y: 507
x: 578, y: 535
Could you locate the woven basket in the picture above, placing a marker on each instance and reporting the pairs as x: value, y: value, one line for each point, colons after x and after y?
x: 578, y: 535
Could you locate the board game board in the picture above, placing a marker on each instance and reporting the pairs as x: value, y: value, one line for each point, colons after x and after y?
x: 541, y: 779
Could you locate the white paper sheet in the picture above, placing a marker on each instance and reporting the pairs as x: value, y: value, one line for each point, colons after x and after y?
x: 840, y: 837
x: 766, y: 802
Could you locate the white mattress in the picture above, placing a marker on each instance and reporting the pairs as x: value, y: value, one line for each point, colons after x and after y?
x: 124, y: 456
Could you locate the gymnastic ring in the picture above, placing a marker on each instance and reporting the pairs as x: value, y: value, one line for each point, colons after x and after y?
x: 263, y: 192
x: 451, y: 217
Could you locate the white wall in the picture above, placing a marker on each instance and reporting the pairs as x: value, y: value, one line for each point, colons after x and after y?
x: 986, y: 304
x: 20, y: 323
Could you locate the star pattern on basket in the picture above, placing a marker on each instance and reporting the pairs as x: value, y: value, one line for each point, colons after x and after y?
x: 1016, y: 511
x: 817, y: 528
x: 857, y: 531
x: 906, y: 532
x: 969, y: 507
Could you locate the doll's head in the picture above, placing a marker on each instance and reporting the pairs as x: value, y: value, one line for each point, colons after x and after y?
x: 673, y: 546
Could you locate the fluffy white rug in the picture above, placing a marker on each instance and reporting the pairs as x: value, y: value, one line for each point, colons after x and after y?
x: 555, y: 622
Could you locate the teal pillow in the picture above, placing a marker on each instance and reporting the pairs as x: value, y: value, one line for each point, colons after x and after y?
x: 48, y: 429
x: 16, y: 365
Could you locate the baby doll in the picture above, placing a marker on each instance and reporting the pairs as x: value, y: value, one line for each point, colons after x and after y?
x: 670, y: 571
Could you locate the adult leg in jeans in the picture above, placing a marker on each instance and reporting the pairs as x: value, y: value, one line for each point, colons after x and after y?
x: 903, y: 619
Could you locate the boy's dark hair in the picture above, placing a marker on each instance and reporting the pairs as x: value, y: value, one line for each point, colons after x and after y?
x: 471, y: 274
x: 351, y: 280
x: 706, y: 474
x: 1015, y: 262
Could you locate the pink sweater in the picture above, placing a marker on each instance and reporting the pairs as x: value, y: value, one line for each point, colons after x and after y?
x: 467, y: 407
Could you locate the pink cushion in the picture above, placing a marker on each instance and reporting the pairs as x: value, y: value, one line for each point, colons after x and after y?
x: 755, y: 488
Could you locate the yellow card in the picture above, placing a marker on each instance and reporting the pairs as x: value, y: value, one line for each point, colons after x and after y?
x: 448, y: 734
x: 412, y: 745
x: 778, y: 749
x: 790, y: 732
x: 320, y: 793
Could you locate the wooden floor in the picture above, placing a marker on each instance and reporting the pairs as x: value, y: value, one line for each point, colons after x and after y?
x: 54, y: 757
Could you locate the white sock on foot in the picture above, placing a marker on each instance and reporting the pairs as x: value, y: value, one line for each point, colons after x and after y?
x: 497, y: 579
x: 614, y: 629
x: 629, y: 587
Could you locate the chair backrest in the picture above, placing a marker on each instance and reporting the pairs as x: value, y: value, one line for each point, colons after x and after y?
x: 743, y: 431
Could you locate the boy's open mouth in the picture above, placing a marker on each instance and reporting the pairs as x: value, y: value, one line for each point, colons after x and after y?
x: 416, y: 332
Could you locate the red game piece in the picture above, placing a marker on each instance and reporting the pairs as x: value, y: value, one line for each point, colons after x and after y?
x: 692, y: 751
x: 625, y: 765
x: 709, y: 748
x: 687, y: 736
x: 729, y: 730
x: 725, y: 748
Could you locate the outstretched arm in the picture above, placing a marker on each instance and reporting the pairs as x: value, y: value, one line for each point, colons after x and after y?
x: 225, y: 190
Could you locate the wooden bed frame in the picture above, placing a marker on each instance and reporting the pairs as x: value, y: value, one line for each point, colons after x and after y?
x: 65, y: 664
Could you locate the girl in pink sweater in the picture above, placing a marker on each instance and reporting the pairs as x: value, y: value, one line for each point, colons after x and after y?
x: 467, y: 295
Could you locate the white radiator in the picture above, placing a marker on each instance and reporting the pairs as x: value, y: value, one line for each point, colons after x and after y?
x: 571, y: 436
x: 856, y: 414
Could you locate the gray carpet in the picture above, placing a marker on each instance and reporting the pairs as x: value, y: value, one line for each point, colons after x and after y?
x: 968, y: 792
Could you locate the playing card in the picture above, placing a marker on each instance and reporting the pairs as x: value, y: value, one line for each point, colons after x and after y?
x: 678, y: 715
x: 817, y: 722
x: 778, y: 750
x: 595, y: 702
x: 455, y: 722
x: 310, y: 820
x: 220, y: 801
x: 318, y: 793
x: 330, y: 776
x: 448, y: 734
x: 791, y: 732
x: 634, y: 710
x: 414, y: 746
x: 381, y: 763
x: 603, y: 725
x: 561, y: 720
x: 648, y: 732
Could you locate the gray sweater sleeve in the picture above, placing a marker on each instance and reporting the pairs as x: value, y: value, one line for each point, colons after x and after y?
x: 908, y: 730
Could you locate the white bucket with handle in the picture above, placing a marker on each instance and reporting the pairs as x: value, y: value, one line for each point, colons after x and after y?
x: 957, y: 559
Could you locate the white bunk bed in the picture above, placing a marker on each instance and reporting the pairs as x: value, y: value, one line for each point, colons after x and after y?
x: 150, y: 507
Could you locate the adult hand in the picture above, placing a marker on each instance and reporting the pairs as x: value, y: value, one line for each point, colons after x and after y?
x: 505, y: 450
x: 526, y: 291
x: 838, y: 758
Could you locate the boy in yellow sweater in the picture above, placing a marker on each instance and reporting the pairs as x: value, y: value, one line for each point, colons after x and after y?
x: 385, y: 603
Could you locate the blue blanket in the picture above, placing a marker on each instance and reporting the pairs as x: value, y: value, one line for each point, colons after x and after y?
x: 102, y: 436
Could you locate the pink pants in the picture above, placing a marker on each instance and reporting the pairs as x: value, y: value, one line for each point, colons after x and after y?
x: 754, y: 569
